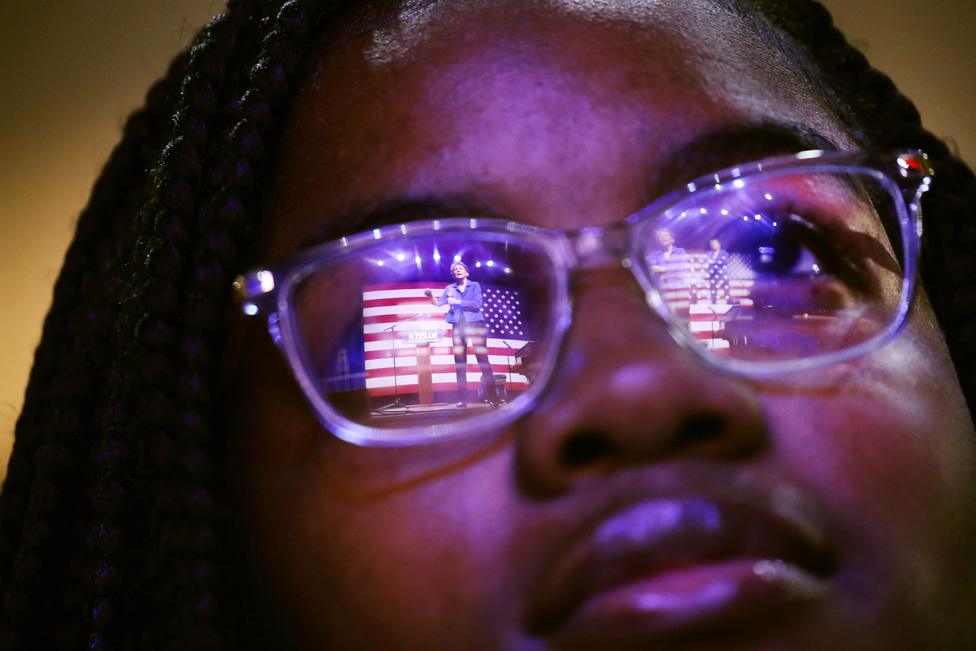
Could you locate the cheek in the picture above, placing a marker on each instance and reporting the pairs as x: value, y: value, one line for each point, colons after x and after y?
x: 890, y: 447
x: 355, y: 545
x: 389, y: 566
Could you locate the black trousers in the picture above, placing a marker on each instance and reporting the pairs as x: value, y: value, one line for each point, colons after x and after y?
x: 478, y: 334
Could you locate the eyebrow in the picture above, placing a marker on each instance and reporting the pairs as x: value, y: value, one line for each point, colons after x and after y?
x: 733, y: 145
x: 709, y: 152
x: 396, y: 210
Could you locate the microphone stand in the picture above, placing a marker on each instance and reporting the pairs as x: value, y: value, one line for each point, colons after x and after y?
x: 508, y: 362
x: 397, y: 403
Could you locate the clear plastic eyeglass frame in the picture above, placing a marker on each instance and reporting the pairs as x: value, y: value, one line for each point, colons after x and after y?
x: 268, y: 290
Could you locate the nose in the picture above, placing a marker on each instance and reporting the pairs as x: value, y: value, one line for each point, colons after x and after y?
x: 625, y: 394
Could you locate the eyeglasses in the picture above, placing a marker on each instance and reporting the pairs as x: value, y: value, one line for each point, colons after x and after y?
x: 772, y: 267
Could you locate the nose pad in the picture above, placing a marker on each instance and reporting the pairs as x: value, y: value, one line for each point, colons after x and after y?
x: 624, y: 393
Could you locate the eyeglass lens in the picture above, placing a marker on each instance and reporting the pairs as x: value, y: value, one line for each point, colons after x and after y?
x: 767, y: 269
x: 381, y: 352
x: 781, y: 268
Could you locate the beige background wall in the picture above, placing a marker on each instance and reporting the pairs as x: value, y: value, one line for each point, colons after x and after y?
x: 71, y: 72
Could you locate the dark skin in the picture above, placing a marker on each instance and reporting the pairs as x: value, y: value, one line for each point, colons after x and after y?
x: 559, y: 114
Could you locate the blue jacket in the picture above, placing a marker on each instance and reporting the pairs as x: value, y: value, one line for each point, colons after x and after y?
x: 470, y: 306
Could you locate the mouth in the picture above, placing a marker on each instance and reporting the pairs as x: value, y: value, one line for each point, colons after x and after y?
x: 682, y: 566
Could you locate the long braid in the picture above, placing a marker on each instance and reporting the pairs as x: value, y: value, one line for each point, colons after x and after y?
x: 174, y: 342
x: 144, y: 395
x: 231, y: 210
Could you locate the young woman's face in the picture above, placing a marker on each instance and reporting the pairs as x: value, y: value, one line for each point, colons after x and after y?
x: 647, y: 501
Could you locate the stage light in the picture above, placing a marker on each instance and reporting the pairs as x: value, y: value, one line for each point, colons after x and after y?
x: 457, y: 258
x: 490, y: 263
x: 401, y: 257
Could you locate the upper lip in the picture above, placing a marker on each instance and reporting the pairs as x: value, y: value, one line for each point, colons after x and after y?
x: 644, y: 537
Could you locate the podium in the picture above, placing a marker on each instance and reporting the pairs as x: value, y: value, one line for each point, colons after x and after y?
x: 422, y: 339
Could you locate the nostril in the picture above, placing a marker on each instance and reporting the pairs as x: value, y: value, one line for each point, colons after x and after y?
x: 585, y: 448
x: 701, y: 428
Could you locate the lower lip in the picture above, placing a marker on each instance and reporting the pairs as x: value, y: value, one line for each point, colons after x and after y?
x: 692, y: 600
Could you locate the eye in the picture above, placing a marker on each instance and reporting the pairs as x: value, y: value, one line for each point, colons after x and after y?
x: 785, y: 244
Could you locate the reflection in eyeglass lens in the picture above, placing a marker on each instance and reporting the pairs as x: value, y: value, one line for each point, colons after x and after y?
x: 781, y: 268
x: 392, y: 336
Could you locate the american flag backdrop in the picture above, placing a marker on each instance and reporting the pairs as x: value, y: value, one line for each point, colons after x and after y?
x: 397, y: 318
x: 687, y: 287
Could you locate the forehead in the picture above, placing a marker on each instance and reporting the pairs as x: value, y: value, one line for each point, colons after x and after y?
x: 558, y: 112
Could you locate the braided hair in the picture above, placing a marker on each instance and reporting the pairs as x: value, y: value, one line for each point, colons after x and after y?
x: 111, y: 518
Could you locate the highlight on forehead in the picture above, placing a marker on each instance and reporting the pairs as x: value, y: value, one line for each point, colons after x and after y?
x: 403, y: 25
x: 720, y: 34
